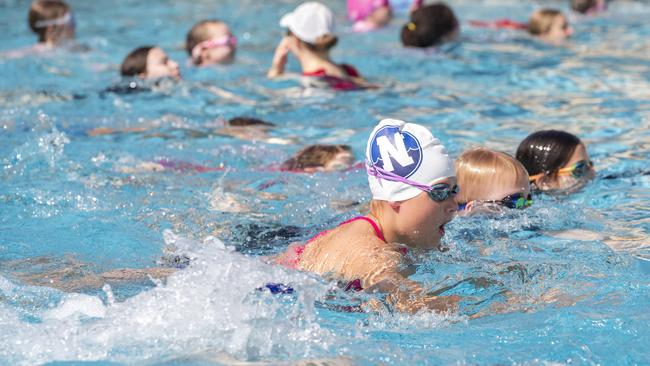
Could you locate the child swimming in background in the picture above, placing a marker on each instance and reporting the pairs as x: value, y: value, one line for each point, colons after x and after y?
x: 589, y: 6
x: 320, y: 158
x: 549, y: 25
x: 490, y: 181
x: 52, y: 21
x: 149, y: 62
x: 429, y: 26
x: 369, y: 15
x: 413, y: 187
x: 210, y: 42
x: 310, y: 40
x: 555, y: 160
x: 244, y: 128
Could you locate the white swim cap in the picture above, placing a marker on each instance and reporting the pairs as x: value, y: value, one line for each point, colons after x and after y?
x: 403, y: 159
x: 309, y: 21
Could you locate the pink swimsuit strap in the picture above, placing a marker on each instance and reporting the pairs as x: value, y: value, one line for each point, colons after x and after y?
x: 297, y: 250
x: 372, y: 222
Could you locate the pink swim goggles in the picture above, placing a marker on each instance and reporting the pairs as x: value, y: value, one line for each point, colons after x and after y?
x: 438, y: 192
x: 229, y: 41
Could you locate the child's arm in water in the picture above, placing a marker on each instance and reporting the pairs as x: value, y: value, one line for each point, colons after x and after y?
x: 383, y: 268
x: 408, y: 296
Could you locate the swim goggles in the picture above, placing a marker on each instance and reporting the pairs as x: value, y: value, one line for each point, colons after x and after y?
x: 513, y: 201
x: 66, y: 19
x: 517, y: 200
x: 577, y: 170
x: 227, y: 40
x: 438, y: 192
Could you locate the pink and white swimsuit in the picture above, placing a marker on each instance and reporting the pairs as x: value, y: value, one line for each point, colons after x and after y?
x: 361, y: 9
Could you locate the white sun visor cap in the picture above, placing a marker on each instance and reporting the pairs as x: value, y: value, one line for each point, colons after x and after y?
x: 309, y: 21
x: 408, y: 155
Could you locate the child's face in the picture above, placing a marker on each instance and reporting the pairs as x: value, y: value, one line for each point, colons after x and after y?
x: 573, y: 174
x: 159, y: 65
x: 221, y: 54
x: 560, y: 29
x: 499, y: 198
x: 422, y: 220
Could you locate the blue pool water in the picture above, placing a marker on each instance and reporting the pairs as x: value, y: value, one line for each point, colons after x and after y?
x: 570, y: 275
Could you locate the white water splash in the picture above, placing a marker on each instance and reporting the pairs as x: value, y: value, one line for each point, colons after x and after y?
x: 211, y: 305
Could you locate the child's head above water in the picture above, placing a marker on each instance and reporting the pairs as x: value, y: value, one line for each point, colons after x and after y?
x: 311, y: 23
x: 429, y: 26
x: 412, y: 181
x: 52, y: 21
x: 490, y: 180
x: 210, y: 42
x: 248, y: 121
x: 555, y: 160
x: 550, y: 25
x: 588, y: 6
x: 149, y: 62
x: 320, y: 158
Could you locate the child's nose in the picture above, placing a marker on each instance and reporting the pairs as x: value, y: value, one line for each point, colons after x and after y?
x: 451, y: 205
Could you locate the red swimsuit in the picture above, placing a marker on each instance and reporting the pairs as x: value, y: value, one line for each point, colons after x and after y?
x: 337, y: 83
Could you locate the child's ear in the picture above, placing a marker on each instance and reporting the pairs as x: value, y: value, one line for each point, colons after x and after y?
x: 469, y: 205
x: 142, y: 75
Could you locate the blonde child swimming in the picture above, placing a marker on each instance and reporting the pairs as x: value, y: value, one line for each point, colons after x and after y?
x: 413, y: 186
x: 549, y: 25
x: 490, y: 181
x: 211, y: 42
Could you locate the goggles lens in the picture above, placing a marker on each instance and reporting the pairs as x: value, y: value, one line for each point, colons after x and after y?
x: 579, y: 169
x: 517, y: 200
x: 442, y: 192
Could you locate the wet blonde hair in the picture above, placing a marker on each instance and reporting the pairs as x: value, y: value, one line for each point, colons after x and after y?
x: 541, y: 21
x: 479, y: 169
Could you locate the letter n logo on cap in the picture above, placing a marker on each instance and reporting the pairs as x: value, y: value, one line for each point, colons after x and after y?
x: 396, y: 151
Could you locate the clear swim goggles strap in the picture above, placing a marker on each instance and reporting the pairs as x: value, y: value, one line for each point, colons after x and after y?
x: 380, y: 173
x: 57, y: 21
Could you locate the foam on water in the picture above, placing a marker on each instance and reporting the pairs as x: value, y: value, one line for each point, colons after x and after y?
x: 211, y: 305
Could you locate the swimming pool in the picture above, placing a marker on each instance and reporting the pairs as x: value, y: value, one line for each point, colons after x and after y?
x: 575, y: 268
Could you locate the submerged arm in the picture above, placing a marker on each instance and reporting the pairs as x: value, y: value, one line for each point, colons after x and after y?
x: 408, y: 296
x: 388, y: 275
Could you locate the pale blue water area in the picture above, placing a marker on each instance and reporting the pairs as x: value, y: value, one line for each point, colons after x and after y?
x: 574, y: 269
